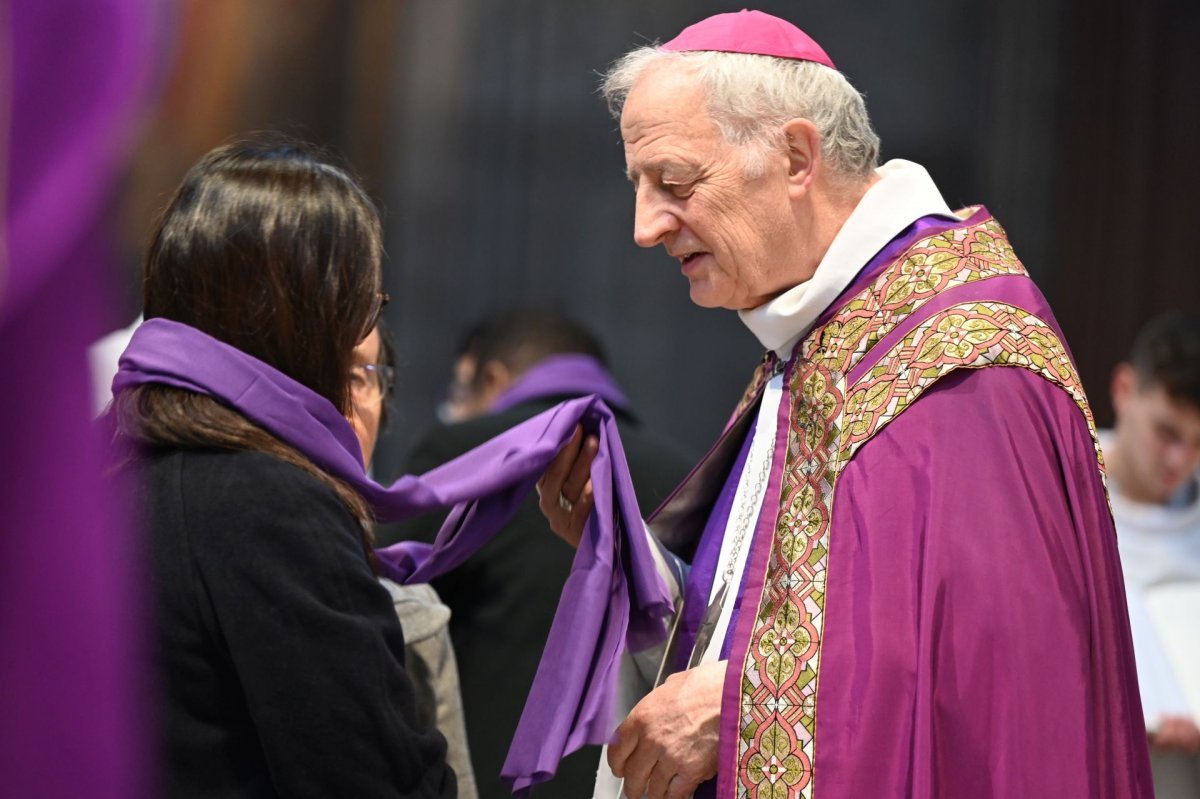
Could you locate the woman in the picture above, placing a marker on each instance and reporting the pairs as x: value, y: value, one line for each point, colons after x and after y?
x: 281, y: 656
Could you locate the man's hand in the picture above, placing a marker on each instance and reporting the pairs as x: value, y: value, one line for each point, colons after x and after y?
x: 668, y: 745
x: 1176, y: 734
x: 565, y: 490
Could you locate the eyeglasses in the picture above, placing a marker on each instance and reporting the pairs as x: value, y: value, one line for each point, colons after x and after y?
x: 370, y: 383
x: 381, y: 299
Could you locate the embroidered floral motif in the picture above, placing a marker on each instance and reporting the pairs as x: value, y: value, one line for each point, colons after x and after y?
x: 776, y: 770
x: 952, y: 258
x: 984, y: 244
x: 968, y: 335
x: 779, y: 681
x: 775, y: 749
x: 955, y: 338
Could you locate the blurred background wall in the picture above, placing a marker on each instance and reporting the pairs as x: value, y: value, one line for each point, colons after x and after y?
x: 477, y: 127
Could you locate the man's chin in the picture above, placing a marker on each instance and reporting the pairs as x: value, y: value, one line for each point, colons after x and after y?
x: 704, y: 297
x: 1171, y: 487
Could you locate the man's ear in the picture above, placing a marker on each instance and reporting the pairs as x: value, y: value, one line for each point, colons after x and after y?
x: 804, y: 152
x: 492, y: 379
x: 1124, y: 384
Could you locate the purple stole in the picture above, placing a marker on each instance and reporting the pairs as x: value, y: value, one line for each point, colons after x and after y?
x: 612, y: 599
x: 570, y: 375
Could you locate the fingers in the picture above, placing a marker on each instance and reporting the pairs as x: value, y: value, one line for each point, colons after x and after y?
x: 1176, y: 734
x: 622, y: 747
x: 637, y: 771
x: 556, y: 473
x: 565, y: 489
x: 679, y: 788
x: 582, y: 507
x: 661, y: 776
x: 581, y: 470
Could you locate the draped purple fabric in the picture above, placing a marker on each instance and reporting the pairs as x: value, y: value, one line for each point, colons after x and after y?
x: 612, y: 599
x: 699, y: 583
x: 971, y: 538
x: 570, y: 375
x: 976, y: 641
x: 72, y: 693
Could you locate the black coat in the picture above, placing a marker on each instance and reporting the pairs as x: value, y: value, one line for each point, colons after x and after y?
x: 281, y: 657
x: 503, y: 598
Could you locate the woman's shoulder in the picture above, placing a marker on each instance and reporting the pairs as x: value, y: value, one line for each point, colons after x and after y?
x: 216, y: 484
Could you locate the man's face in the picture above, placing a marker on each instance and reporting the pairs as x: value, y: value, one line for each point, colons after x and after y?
x: 460, y: 403
x: 735, y: 238
x: 1158, y: 436
x: 474, y: 388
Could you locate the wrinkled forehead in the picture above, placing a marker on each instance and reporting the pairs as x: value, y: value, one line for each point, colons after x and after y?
x: 666, y: 92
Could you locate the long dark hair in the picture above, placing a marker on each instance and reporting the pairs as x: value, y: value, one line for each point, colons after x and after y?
x: 275, y: 251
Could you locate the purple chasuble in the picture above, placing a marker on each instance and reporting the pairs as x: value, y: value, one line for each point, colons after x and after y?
x: 986, y: 491
x: 570, y: 375
x: 613, y: 598
x: 73, y: 693
x: 980, y: 508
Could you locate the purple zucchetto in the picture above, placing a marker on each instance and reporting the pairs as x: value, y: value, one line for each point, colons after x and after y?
x: 750, y: 32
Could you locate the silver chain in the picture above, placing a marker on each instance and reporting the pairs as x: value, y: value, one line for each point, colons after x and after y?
x: 746, y: 515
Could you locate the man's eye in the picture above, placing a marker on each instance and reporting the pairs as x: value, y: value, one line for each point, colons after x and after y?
x: 1168, y: 434
x: 680, y: 190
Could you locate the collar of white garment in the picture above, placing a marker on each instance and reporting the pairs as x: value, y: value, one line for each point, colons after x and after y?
x: 904, y: 194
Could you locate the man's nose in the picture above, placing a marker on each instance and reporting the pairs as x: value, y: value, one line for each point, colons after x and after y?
x: 652, y: 219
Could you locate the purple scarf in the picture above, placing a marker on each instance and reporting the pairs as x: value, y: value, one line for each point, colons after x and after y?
x: 613, y: 597
x: 563, y: 376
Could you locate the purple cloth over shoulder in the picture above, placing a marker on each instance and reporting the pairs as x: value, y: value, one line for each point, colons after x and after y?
x: 613, y: 597
x: 569, y: 375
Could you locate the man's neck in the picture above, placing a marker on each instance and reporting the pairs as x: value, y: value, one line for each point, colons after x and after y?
x: 831, y: 204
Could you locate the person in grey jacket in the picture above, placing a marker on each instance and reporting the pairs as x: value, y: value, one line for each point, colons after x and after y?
x: 425, y: 619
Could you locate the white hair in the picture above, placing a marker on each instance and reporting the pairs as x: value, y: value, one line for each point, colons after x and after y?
x: 750, y: 97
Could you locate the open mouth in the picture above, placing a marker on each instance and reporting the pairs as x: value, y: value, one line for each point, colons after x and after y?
x: 691, y: 258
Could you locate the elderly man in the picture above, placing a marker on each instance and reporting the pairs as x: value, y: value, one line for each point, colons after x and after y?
x: 904, y: 578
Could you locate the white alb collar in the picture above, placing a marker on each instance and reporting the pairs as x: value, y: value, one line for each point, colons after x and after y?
x: 905, y: 194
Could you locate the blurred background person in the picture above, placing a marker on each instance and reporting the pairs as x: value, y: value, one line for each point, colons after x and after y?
x: 1153, y: 458
x: 460, y: 402
x: 503, y: 598
x: 429, y: 660
x: 280, y: 657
